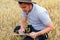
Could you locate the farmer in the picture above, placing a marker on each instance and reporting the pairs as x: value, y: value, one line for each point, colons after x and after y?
x: 38, y: 18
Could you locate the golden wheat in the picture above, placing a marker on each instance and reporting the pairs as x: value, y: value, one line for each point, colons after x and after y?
x: 10, y: 17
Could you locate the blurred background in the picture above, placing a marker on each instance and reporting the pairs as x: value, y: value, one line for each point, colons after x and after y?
x: 10, y: 17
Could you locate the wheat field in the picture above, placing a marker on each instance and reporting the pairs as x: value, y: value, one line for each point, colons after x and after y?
x: 10, y: 17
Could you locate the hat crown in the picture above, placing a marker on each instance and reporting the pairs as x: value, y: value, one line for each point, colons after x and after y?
x: 25, y: 0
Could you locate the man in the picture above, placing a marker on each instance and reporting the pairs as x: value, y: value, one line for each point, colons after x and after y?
x: 38, y: 18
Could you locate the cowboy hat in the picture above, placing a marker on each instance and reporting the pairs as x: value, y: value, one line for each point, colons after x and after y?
x: 26, y: 1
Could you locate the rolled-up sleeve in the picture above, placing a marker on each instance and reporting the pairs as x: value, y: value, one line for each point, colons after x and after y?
x: 44, y: 17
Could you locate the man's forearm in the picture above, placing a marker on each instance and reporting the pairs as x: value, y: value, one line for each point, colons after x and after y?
x: 23, y: 25
x: 48, y: 28
x: 43, y: 31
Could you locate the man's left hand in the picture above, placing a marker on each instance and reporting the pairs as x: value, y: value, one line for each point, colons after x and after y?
x: 33, y: 34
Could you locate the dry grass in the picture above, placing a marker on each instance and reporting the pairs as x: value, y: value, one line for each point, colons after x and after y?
x: 10, y: 17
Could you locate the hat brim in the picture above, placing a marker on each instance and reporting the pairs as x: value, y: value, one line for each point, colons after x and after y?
x: 27, y: 2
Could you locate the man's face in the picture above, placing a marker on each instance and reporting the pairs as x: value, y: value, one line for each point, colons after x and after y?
x: 25, y: 7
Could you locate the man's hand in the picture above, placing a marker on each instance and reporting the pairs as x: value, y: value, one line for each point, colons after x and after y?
x: 21, y: 31
x: 33, y: 34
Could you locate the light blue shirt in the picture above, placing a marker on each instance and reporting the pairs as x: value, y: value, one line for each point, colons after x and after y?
x: 38, y: 17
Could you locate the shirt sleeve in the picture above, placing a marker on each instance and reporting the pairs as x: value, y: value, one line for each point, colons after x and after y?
x: 24, y: 14
x: 44, y: 17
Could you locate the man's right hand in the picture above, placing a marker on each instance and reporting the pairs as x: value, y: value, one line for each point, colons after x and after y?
x: 21, y: 31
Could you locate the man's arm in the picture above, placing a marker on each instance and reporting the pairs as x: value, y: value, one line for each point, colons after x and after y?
x: 23, y: 22
x: 23, y: 25
x: 49, y: 27
x: 46, y: 20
